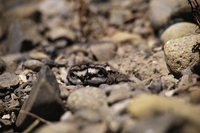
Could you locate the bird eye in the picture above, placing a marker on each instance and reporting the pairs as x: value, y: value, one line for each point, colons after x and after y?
x: 101, y: 73
x: 72, y: 75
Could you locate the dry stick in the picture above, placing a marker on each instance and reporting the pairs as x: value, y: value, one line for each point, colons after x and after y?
x: 32, y: 126
x: 180, y: 90
x: 85, y: 9
x: 36, y: 116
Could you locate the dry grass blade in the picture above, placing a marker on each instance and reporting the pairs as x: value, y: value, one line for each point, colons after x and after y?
x: 36, y: 116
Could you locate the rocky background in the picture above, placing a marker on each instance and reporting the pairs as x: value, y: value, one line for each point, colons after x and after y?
x: 154, y: 42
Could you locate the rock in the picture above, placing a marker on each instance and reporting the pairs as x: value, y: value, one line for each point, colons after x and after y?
x: 34, y: 65
x: 159, y: 124
x: 145, y: 106
x: 161, y: 11
x: 60, y: 32
x: 95, y: 128
x: 103, y: 51
x: 183, y: 81
x: 168, y: 82
x: 67, y: 116
x: 117, y: 17
x: 25, y: 41
x: 8, y: 80
x: 118, y: 94
x: 195, y: 95
x: 12, y: 59
x: 179, y: 55
x: 89, y: 97
x: 178, y: 30
x: 4, y: 67
x: 64, y: 93
x: 38, y: 55
x: 120, y: 106
x: 44, y: 100
x: 136, y: 5
x: 156, y: 86
x: 124, y: 36
x: 5, y: 122
x: 87, y: 115
x: 59, y: 127
x: 58, y: 8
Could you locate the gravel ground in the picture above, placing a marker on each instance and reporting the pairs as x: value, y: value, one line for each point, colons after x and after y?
x: 99, y: 66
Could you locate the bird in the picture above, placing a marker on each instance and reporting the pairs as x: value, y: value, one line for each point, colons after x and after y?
x: 88, y: 74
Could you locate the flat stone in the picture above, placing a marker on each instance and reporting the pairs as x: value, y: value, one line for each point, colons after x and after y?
x: 59, y: 127
x: 44, y: 100
x: 4, y: 67
x: 179, y: 55
x: 124, y: 36
x: 60, y: 32
x: 34, y: 65
x: 158, y: 124
x: 195, y: 95
x: 89, y: 97
x: 88, y: 115
x: 161, y: 11
x: 38, y: 55
x: 104, y: 51
x: 95, y: 128
x: 8, y: 80
x: 178, y: 30
x: 118, y: 94
x: 146, y: 106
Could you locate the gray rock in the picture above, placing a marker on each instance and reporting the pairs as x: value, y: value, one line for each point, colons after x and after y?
x: 118, y: 94
x: 179, y: 55
x: 89, y: 97
x: 162, y: 10
x: 125, y: 86
x: 87, y: 115
x: 44, y: 100
x: 103, y: 51
x: 4, y: 67
x: 156, y: 86
x: 120, y: 106
x: 8, y: 80
x: 59, y: 127
x: 116, y: 18
x: 64, y: 93
x: 168, y: 82
x: 12, y: 59
x: 60, y: 32
x: 157, y: 124
x: 178, y: 30
x: 26, y: 40
x: 95, y: 128
x: 34, y: 65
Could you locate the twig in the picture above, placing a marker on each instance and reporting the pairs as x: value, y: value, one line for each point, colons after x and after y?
x: 32, y: 126
x: 36, y: 116
x: 183, y: 89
